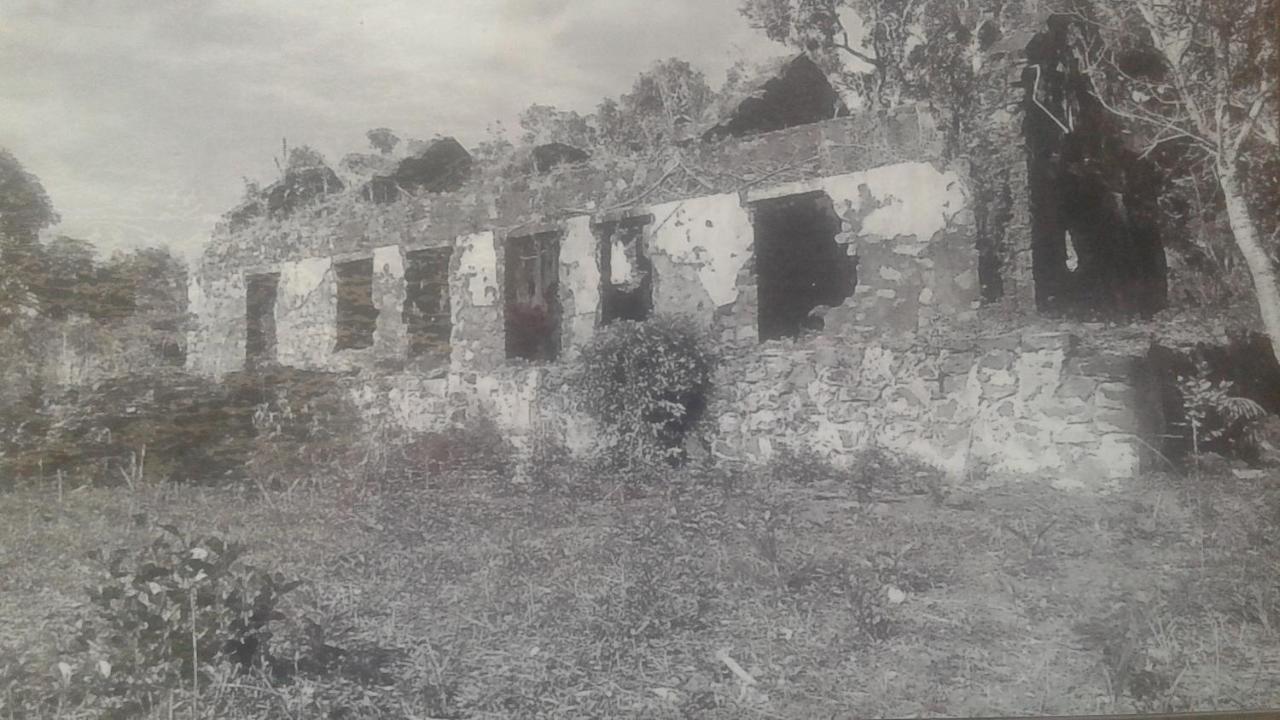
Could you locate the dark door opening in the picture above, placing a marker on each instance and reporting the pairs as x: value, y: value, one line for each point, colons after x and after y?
x: 357, y: 315
x: 1096, y: 250
x: 426, y: 301
x: 531, y: 275
x: 799, y: 264
x: 260, y: 319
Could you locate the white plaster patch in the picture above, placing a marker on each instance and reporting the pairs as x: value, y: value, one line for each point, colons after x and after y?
x: 579, y: 272
x: 913, y: 198
x: 306, y: 313
x: 713, y: 233
x: 478, y: 268
x: 620, y: 270
x: 389, y: 261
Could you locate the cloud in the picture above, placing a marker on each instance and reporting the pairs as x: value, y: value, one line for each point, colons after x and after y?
x: 141, y: 117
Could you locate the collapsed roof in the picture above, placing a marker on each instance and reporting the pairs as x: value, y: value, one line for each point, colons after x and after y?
x: 443, y: 166
x: 788, y: 92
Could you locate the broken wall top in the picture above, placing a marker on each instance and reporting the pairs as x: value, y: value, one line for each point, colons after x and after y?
x: 788, y: 92
x: 607, y: 187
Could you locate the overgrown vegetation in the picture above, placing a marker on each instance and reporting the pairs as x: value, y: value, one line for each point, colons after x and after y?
x: 471, y: 451
x: 722, y: 593
x: 1217, y: 418
x: 647, y: 384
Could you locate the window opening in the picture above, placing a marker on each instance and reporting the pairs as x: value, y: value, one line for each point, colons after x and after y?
x: 799, y: 265
x: 531, y: 287
x: 426, y: 302
x: 357, y: 315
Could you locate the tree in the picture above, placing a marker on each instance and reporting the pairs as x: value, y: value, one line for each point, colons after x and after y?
x: 876, y: 35
x: 25, y: 210
x: 888, y: 52
x: 664, y: 99
x: 304, y: 156
x: 383, y: 140
x: 65, y: 284
x: 1208, y: 88
x: 547, y: 124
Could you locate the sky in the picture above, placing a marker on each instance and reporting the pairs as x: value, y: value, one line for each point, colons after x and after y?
x: 142, y: 117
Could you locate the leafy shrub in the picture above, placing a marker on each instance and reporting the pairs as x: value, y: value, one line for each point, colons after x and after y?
x: 646, y: 383
x: 551, y: 465
x: 171, y: 615
x: 1218, y: 419
x: 163, y: 424
x: 878, y: 469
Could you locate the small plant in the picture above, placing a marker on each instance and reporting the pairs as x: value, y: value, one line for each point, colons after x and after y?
x: 647, y: 384
x: 877, y: 469
x: 1214, y: 415
x: 1142, y: 652
x: 171, y: 614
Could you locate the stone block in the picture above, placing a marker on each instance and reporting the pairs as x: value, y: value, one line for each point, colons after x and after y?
x: 802, y: 375
x: 1076, y: 387
x: 1028, y: 430
x: 1047, y: 341
x: 826, y: 356
x: 867, y: 392
x: 1119, y: 455
x: 951, y: 435
x: 992, y: 392
x: 947, y: 410
x: 954, y: 384
x: 1075, y: 435
x: 1116, y: 420
x: 1115, y: 395
x: 1071, y: 410
x: 1106, y: 365
x: 956, y: 363
x: 1008, y: 341
x: 997, y: 360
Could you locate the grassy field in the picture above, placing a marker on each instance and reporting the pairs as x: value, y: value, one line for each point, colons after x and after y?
x: 726, y: 594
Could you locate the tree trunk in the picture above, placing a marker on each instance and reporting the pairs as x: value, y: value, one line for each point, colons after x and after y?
x: 1266, y: 284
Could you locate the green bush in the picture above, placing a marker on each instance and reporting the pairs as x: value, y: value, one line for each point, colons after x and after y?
x: 647, y: 384
x: 161, y: 425
x: 176, y: 614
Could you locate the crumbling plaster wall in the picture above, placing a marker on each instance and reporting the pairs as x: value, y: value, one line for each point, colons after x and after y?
x: 215, y: 344
x: 876, y: 373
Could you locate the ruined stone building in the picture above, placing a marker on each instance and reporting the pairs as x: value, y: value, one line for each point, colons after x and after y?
x: 862, y: 286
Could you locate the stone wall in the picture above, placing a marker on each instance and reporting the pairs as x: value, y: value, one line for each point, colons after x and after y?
x: 1021, y: 402
x: 876, y: 371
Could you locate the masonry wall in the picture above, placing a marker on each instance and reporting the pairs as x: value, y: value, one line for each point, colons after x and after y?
x: 877, y: 371
x: 1024, y: 402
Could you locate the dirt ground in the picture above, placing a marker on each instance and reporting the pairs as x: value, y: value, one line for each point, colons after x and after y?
x: 731, y: 595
